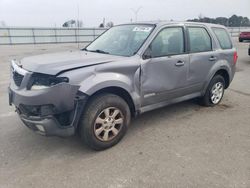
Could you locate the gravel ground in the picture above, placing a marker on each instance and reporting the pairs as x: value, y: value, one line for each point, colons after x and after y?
x: 183, y: 145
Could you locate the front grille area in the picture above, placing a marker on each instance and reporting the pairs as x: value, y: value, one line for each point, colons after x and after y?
x: 18, y: 78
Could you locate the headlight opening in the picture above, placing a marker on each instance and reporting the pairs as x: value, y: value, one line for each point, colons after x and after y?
x: 42, y: 81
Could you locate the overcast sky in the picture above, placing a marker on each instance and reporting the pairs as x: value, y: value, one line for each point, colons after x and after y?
x: 56, y: 12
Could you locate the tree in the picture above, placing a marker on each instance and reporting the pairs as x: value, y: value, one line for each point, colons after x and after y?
x: 101, y: 25
x: 222, y: 21
x: 69, y: 23
x: 245, y: 21
x: 110, y: 24
x: 73, y: 23
x: 233, y: 21
x: 2, y: 24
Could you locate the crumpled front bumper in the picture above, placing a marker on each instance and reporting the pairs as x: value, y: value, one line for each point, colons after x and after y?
x: 51, y: 112
x: 47, y: 126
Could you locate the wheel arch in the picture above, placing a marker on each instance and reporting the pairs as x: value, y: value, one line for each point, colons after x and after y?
x: 224, y: 72
x: 119, y: 91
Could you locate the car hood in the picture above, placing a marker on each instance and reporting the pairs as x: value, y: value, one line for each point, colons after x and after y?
x: 60, y: 62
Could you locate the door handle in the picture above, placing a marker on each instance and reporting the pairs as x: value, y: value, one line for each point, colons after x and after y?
x: 179, y: 63
x: 212, y: 58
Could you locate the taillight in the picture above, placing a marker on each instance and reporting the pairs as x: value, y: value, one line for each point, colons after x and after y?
x: 235, y: 57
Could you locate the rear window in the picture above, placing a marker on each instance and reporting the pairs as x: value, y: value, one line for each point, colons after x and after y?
x: 223, y: 38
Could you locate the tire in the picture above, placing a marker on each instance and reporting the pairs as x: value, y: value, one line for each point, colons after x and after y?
x: 105, y: 121
x: 210, y: 99
x: 240, y: 40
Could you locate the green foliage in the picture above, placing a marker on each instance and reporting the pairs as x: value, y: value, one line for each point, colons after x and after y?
x: 233, y: 21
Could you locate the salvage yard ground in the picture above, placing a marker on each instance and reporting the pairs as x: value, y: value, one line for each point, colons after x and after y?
x: 183, y: 145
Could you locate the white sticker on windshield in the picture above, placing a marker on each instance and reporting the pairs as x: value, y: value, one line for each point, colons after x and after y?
x: 142, y: 29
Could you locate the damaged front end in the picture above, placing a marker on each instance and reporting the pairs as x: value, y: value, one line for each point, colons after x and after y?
x: 47, y: 104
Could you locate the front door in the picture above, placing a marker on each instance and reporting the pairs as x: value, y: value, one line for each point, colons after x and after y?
x: 165, y: 68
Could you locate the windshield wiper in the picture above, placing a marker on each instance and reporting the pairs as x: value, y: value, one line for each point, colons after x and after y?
x: 97, y: 51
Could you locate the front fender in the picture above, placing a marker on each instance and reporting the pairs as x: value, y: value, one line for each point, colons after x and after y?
x: 100, y: 81
x: 104, y: 80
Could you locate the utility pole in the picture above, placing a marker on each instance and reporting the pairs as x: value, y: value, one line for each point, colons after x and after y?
x: 78, y: 25
x: 136, y: 11
x: 104, y: 22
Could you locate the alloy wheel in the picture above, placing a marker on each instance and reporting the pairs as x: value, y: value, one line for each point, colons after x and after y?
x: 217, y: 92
x: 108, y: 124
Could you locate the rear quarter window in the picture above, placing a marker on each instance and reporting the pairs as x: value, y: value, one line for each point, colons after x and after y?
x: 223, y: 38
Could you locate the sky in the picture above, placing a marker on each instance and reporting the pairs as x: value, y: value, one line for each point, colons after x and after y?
x: 50, y: 13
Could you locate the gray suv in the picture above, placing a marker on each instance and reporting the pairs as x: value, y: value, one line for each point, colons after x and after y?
x: 128, y: 70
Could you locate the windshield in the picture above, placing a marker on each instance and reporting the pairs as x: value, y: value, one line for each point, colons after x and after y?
x: 123, y: 40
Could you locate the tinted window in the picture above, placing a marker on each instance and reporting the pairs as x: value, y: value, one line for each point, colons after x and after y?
x: 223, y: 38
x: 169, y: 41
x: 200, y: 40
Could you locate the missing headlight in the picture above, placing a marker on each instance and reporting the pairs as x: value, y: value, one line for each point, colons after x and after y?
x: 42, y: 81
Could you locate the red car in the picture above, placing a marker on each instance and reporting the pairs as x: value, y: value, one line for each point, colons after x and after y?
x: 244, y: 36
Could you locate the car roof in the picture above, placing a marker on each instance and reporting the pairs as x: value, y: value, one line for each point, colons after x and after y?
x: 162, y: 23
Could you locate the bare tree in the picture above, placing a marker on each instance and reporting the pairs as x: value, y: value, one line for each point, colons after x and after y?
x: 2, y: 24
x: 79, y: 23
x: 110, y: 24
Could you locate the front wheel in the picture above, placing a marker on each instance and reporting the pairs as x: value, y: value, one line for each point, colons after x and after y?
x: 214, y: 92
x: 105, y: 121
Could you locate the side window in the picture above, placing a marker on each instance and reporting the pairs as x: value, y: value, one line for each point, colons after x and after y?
x: 169, y: 41
x: 223, y: 38
x: 199, y: 40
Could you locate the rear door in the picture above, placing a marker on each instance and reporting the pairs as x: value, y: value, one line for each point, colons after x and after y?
x: 201, y: 56
x: 164, y: 71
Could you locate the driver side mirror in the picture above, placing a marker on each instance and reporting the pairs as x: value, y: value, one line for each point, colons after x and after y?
x: 148, y: 53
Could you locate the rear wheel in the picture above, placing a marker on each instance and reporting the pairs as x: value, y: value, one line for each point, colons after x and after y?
x: 240, y: 40
x: 214, y: 92
x: 105, y: 121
